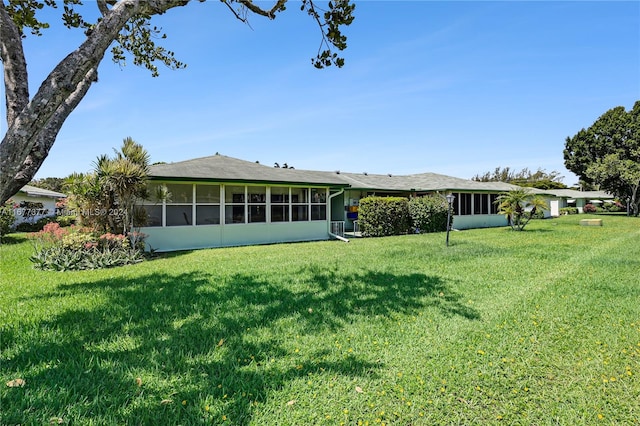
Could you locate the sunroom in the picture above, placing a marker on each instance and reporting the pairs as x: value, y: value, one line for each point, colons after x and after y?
x: 223, y: 201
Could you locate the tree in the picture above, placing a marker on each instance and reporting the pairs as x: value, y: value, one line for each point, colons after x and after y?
x: 608, y: 154
x: 125, y: 176
x: 540, y: 179
x: 34, y: 121
x: 519, y: 206
x: 51, y: 183
x: 90, y: 202
x: 106, y: 198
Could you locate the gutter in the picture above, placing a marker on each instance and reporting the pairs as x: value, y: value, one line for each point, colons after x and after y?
x: 338, y: 237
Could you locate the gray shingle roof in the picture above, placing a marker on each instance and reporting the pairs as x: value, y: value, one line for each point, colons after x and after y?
x: 590, y: 195
x: 33, y: 191
x: 421, y: 182
x: 222, y: 168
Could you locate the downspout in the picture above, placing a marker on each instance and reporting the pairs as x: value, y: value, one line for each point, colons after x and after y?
x: 330, y: 209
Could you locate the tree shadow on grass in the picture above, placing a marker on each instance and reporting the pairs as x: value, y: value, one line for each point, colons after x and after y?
x: 12, y: 239
x: 198, y: 337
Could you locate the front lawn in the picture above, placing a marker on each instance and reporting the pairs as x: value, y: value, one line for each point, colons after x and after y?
x: 535, y: 327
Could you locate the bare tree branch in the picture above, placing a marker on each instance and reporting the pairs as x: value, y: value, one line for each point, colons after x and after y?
x: 242, y: 18
x: 271, y: 13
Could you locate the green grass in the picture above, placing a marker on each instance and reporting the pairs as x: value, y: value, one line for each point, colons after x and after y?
x: 535, y: 327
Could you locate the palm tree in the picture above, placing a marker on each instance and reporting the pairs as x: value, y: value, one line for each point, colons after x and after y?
x: 519, y: 206
x: 125, y: 176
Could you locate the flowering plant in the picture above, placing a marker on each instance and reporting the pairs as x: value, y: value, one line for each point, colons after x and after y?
x: 76, y: 247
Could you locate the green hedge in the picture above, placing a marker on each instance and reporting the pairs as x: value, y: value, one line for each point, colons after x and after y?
x: 428, y: 214
x: 568, y: 210
x: 539, y: 214
x: 382, y: 216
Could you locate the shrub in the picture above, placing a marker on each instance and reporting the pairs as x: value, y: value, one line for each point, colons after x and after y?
x: 113, y: 241
x: 381, y: 216
x: 589, y: 208
x: 428, y: 214
x: 539, y: 214
x: 78, y: 241
x: 568, y: 210
x: 36, y: 226
x: 7, y: 218
x: 615, y: 207
x: 76, y: 248
x: 66, y: 220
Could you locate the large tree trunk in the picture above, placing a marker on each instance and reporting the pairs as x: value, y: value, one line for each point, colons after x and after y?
x: 33, y: 124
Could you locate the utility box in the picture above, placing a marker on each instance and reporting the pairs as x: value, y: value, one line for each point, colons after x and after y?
x: 591, y: 222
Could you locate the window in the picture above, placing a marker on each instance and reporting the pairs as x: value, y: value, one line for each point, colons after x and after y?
x: 154, y: 214
x: 480, y: 203
x: 493, y: 206
x: 463, y: 204
x: 318, y: 204
x: 300, y: 204
x: 179, y: 205
x: 201, y: 204
x: 455, y: 203
x: 153, y: 206
x: 300, y: 213
x: 318, y: 195
x: 179, y: 215
x: 208, y: 194
x: 207, y: 215
x: 207, y: 204
x: 180, y: 193
x: 318, y: 212
x: 257, y: 204
x: 466, y: 204
x: 279, y: 204
x: 234, y: 210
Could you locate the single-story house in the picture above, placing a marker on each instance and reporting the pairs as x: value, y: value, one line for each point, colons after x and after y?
x: 578, y: 199
x: 220, y: 201
x: 31, y: 203
x: 473, y: 207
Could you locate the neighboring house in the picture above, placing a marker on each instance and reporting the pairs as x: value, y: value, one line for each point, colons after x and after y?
x: 33, y: 203
x: 578, y: 199
x: 220, y: 201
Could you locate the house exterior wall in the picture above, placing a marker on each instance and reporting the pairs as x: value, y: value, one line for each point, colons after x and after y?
x: 235, y: 214
x: 479, y: 221
x: 27, y: 215
x: 195, y: 237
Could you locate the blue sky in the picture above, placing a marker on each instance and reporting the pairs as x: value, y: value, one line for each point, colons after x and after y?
x: 457, y: 88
